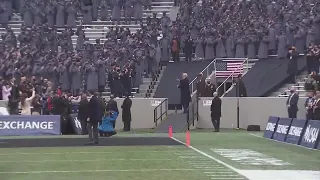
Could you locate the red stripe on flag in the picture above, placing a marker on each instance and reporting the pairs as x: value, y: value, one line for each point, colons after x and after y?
x: 233, y: 69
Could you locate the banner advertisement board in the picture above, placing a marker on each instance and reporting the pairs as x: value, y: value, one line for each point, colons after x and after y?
x: 16, y: 125
x: 311, y: 134
x: 282, y: 129
x: 271, y: 127
x: 295, y: 131
x: 76, y: 124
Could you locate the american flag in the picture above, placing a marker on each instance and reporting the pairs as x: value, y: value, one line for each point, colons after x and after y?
x: 225, y: 68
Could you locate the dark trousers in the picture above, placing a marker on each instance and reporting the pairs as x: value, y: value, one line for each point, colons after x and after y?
x: 126, y: 125
x: 175, y: 56
x: 114, y: 124
x: 93, y: 132
x: 216, y: 123
x: 63, y: 124
x: 188, y: 56
x: 185, y: 107
x: 292, y: 113
x: 84, y: 126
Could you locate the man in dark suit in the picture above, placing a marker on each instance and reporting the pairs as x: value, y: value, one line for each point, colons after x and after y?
x: 112, y: 105
x: 292, y: 103
x: 201, y: 86
x: 94, y: 117
x: 184, y: 92
x: 126, y: 113
x: 216, y: 111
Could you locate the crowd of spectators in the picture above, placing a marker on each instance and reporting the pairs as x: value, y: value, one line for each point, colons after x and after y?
x: 252, y: 29
x: 62, y: 13
x: 42, y: 58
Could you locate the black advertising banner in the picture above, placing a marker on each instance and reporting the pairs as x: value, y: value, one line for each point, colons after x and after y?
x: 282, y: 129
x: 311, y: 134
x: 271, y: 127
x: 295, y: 131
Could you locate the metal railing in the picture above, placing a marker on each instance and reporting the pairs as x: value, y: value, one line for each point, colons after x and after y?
x: 207, y: 71
x: 192, y: 113
x: 234, y: 74
x: 162, y: 112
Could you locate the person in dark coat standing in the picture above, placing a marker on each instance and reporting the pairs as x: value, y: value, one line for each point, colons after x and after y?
x: 216, y: 111
x: 94, y: 118
x: 83, y: 113
x: 292, y: 103
x: 126, y: 113
x: 241, y: 89
x: 188, y: 47
x: 112, y: 105
x: 201, y: 85
x: 293, y: 56
x: 185, y: 96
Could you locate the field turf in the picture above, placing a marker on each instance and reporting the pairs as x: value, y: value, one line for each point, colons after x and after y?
x: 210, y: 157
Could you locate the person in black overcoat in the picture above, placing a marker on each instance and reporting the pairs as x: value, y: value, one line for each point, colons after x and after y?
x: 216, y: 111
x: 293, y: 56
x: 241, y: 88
x: 94, y: 117
x: 126, y: 113
x: 83, y: 113
x: 185, y: 96
x: 112, y: 105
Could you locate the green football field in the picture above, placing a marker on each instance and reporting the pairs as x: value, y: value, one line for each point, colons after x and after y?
x: 229, y: 155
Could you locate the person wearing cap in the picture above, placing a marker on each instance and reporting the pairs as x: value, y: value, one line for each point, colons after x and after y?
x: 216, y: 111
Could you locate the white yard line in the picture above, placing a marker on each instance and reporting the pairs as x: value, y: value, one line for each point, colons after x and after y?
x: 75, y: 152
x: 255, y: 135
x: 89, y: 160
x: 208, y: 156
x: 95, y: 171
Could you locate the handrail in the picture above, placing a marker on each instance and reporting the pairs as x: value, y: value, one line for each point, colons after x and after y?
x: 232, y: 74
x: 208, y: 74
x: 155, y: 112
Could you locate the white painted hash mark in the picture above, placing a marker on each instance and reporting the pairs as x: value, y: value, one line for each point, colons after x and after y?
x: 95, y: 171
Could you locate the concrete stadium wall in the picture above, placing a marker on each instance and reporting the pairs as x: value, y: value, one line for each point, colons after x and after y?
x: 253, y: 111
x: 142, y: 112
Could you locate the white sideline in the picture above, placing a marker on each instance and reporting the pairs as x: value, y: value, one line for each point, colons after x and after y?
x: 89, y: 160
x: 93, y: 171
x: 75, y: 152
x: 255, y: 135
x: 208, y: 156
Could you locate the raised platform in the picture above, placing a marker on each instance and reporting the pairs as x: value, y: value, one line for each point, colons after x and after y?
x: 69, y: 142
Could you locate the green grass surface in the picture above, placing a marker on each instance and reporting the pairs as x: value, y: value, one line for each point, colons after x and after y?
x: 149, y: 162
